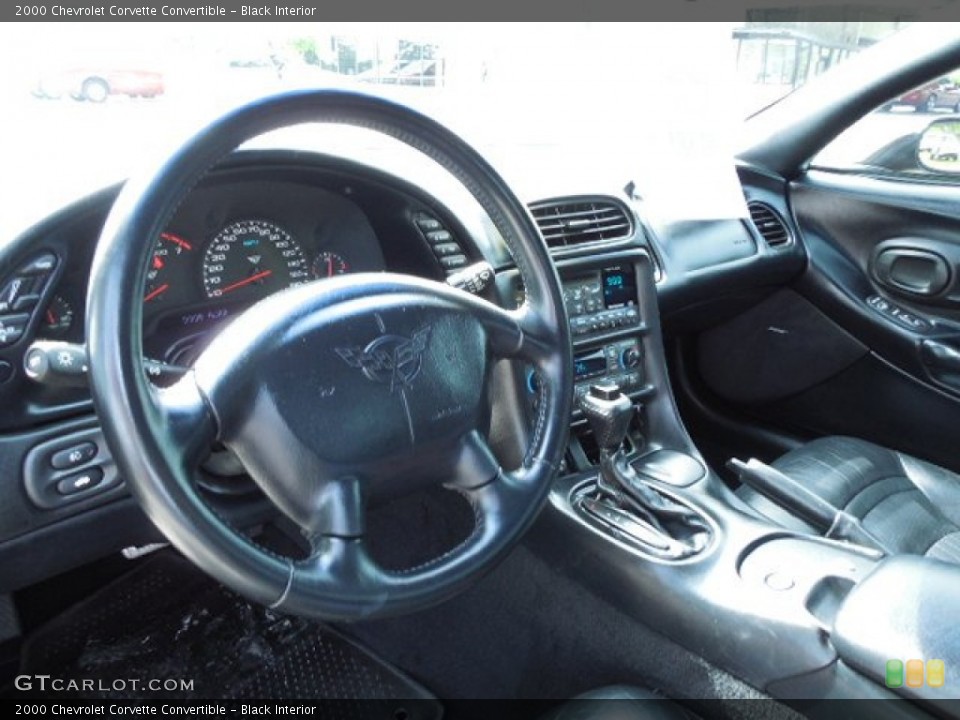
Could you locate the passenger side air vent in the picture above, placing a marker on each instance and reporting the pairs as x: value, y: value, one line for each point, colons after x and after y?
x: 578, y: 221
x: 769, y: 224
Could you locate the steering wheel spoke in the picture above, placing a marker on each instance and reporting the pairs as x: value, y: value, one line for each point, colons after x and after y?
x: 520, y: 334
x: 187, y: 419
x: 476, y: 464
x: 335, y: 509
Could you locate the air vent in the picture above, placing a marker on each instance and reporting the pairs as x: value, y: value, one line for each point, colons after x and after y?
x: 578, y: 221
x: 769, y: 224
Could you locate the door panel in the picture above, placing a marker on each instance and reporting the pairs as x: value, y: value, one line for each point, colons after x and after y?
x: 884, y: 268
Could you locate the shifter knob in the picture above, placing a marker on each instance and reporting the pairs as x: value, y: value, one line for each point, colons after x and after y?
x: 609, y: 412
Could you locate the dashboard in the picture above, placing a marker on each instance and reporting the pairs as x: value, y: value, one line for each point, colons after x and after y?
x: 265, y: 221
x: 258, y: 225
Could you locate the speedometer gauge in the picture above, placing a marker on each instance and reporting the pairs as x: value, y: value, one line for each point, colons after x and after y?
x: 252, y: 259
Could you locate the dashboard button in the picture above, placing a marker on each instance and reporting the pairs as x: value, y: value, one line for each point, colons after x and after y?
x: 15, y: 291
x: 40, y: 265
x: 452, y: 262
x: 80, y: 482
x: 427, y: 223
x: 26, y: 302
x: 439, y: 236
x: 74, y: 456
x: 12, y: 328
x: 443, y: 249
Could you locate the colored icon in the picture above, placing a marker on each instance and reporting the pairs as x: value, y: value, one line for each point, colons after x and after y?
x: 914, y: 673
x: 936, y: 673
x: 911, y: 673
x: 894, y: 673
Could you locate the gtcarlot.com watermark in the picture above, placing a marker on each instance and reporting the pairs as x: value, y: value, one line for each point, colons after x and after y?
x: 51, y: 684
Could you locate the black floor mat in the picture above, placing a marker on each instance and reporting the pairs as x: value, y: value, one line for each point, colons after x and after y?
x: 167, y: 621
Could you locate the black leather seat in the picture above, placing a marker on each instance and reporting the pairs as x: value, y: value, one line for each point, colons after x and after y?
x: 912, y: 506
x: 620, y: 702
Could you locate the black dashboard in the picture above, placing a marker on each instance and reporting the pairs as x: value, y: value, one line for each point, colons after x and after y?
x: 254, y: 227
x: 268, y: 220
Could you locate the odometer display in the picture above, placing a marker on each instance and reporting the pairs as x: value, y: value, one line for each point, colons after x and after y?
x: 252, y: 259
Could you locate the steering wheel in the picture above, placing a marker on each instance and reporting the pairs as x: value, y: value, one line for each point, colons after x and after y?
x: 332, y: 394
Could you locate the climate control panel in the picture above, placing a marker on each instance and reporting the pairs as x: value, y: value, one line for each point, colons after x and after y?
x: 620, y: 363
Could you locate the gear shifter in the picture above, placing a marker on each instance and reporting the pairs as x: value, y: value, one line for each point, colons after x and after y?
x: 671, y: 524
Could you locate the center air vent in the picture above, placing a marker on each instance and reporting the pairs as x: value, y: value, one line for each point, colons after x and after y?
x: 769, y: 224
x: 577, y: 221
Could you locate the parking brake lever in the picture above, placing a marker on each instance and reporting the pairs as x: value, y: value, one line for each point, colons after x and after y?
x: 797, y: 500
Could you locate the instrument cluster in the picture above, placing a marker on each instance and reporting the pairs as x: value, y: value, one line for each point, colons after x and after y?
x: 234, y: 244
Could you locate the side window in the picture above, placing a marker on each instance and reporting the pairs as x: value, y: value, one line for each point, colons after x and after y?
x: 916, y: 136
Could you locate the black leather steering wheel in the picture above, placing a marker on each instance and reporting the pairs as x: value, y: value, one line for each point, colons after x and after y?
x: 332, y: 393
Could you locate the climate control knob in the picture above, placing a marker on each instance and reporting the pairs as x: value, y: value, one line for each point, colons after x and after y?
x: 630, y: 358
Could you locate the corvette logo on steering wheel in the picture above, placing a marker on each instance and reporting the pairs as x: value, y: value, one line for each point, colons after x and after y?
x: 389, y: 359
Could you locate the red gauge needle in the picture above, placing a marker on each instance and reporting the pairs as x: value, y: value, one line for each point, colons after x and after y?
x: 151, y: 295
x: 246, y: 281
x: 51, y: 318
x: 329, y: 267
x: 176, y: 240
x: 157, y: 263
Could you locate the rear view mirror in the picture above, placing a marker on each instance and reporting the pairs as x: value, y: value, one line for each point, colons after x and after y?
x: 939, y: 146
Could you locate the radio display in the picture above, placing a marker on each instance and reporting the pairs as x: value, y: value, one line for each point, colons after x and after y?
x: 619, y: 286
x: 586, y: 366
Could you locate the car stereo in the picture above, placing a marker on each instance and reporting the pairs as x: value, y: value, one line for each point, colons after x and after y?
x: 602, y: 300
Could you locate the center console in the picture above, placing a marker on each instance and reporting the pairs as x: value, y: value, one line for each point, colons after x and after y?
x: 637, y: 514
x: 606, y: 322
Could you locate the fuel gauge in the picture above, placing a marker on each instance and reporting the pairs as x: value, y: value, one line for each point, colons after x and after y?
x: 58, y: 317
x: 329, y: 264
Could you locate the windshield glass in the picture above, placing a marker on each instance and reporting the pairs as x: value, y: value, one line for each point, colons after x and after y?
x: 87, y: 102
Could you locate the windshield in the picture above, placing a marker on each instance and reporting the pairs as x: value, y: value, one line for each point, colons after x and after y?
x: 87, y: 102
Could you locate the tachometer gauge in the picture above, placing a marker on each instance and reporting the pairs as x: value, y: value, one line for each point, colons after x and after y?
x: 253, y: 258
x: 168, y: 250
x: 329, y: 264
